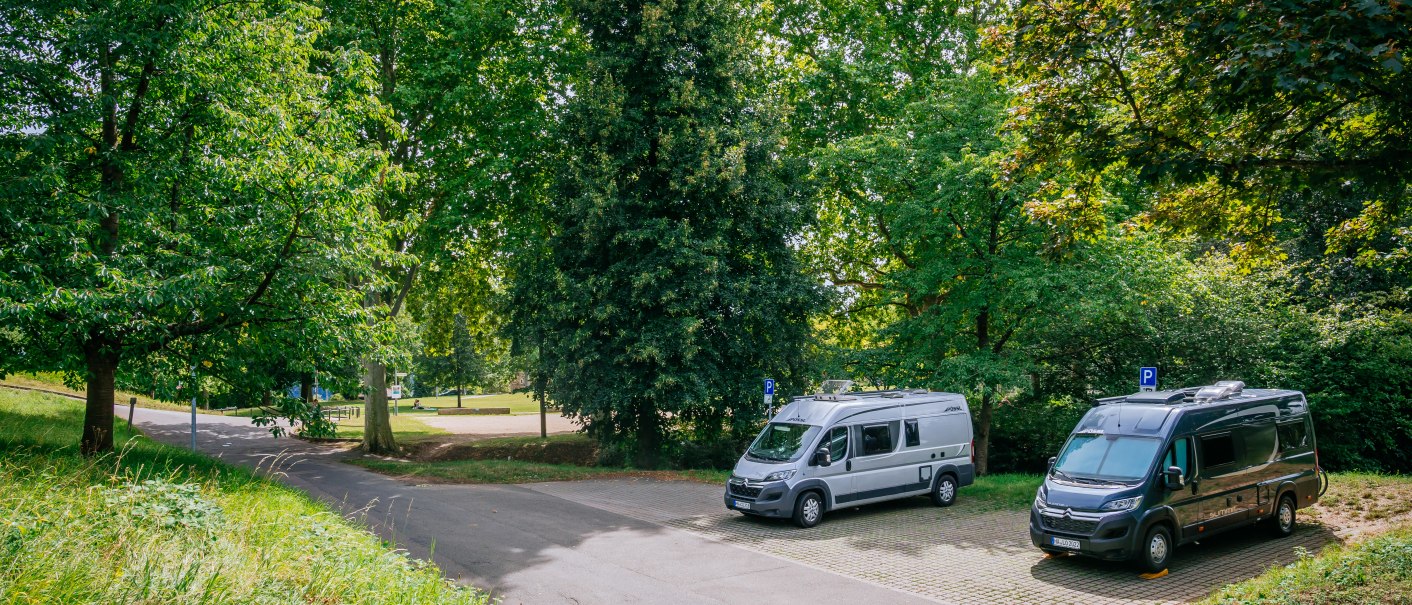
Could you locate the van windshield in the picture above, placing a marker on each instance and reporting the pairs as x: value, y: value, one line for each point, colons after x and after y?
x: 782, y: 442
x: 1107, y: 457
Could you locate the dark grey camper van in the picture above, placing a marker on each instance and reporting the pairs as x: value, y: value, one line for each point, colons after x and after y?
x: 1144, y: 473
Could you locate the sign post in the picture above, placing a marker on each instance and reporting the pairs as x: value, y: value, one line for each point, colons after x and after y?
x: 1147, y: 379
x: 194, y: 390
x: 769, y: 396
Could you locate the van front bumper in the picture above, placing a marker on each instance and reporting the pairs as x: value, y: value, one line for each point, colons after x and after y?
x: 1110, y: 536
x: 773, y: 500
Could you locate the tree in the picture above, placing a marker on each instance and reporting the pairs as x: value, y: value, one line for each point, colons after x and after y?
x: 173, y: 171
x: 1237, y: 115
x: 458, y: 364
x: 665, y: 289
x: 464, y: 81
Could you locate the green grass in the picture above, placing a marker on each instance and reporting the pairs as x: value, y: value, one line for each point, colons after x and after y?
x: 1378, y: 570
x: 52, y: 381
x: 404, y: 426
x: 154, y: 524
x: 1005, y: 490
x: 519, y: 403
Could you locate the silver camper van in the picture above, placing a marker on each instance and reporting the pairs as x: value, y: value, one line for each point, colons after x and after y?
x: 841, y: 448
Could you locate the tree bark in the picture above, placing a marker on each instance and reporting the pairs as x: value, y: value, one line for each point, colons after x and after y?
x: 649, y: 438
x: 102, y: 361
x: 987, y: 407
x: 377, y: 425
x: 983, y: 433
x: 306, y: 387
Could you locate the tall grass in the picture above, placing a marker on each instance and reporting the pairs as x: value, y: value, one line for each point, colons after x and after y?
x: 153, y: 524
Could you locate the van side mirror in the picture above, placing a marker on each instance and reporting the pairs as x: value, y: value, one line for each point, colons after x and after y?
x: 1174, y: 478
x: 822, y: 457
x: 1052, y: 459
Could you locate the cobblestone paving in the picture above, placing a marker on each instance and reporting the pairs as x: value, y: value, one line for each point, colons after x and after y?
x: 963, y: 554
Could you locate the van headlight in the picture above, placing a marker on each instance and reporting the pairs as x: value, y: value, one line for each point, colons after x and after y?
x: 1039, y: 499
x: 1122, y: 504
x: 779, y: 476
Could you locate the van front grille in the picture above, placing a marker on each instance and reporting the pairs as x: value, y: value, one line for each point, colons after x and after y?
x: 1069, y: 525
x: 744, y: 491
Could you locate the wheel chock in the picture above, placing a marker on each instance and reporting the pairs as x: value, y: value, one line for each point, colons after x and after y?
x: 1153, y: 576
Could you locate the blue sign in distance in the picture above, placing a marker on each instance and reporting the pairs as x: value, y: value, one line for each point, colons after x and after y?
x: 769, y: 386
x: 1147, y: 378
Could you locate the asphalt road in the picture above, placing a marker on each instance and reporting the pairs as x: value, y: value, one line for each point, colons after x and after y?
x: 524, y: 545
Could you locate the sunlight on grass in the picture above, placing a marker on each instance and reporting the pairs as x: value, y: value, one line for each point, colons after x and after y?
x: 154, y: 524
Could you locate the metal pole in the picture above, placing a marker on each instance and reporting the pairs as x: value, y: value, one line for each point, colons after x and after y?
x: 193, y: 407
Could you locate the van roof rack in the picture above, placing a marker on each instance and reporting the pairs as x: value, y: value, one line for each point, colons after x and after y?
x: 1221, y: 390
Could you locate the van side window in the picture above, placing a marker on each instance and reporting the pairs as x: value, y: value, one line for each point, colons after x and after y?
x: 1217, y: 450
x: 1179, y: 455
x: 914, y: 438
x: 838, y: 443
x: 877, y: 439
x: 1293, y: 436
x: 1257, y: 445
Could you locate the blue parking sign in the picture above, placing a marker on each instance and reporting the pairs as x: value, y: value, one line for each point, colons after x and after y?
x: 1147, y: 378
x: 769, y: 386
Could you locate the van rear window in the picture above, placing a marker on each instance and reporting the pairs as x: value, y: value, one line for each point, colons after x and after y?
x: 1293, y: 436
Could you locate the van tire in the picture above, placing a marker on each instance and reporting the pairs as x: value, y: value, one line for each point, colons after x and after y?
x: 944, y: 491
x: 1282, y: 522
x: 809, y: 510
x: 1155, y: 549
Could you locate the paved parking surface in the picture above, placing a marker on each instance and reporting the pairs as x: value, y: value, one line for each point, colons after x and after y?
x: 962, y: 554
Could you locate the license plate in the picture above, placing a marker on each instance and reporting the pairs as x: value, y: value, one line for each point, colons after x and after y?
x: 1064, y: 542
x: 746, y: 506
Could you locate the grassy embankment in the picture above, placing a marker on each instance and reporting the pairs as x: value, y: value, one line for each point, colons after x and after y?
x: 154, y: 524
x: 1376, y: 569
x: 54, y: 382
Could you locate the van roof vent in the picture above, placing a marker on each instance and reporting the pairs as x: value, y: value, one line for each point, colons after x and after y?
x: 1235, y: 386
x: 1220, y: 390
x: 835, y: 390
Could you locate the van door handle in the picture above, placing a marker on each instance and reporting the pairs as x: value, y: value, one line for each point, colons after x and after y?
x: 848, y: 466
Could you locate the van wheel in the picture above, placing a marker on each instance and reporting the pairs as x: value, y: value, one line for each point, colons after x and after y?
x: 1282, y: 523
x: 1155, y: 549
x: 944, y: 492
x: 809, y: 510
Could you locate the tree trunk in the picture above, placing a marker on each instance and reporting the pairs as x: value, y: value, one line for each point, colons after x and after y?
x: 983, y: 432
x: 377, y: 425
x: 102, y: 363
x: 649, y: 438
x: 987, y: 408
x: 306, y: 387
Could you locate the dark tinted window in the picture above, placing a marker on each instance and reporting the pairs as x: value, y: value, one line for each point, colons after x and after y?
x: 1293, y: 436
x: 1257, y: 445
x: 1217, y: 450
x: 877, y: 439
x: 914, y: 438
